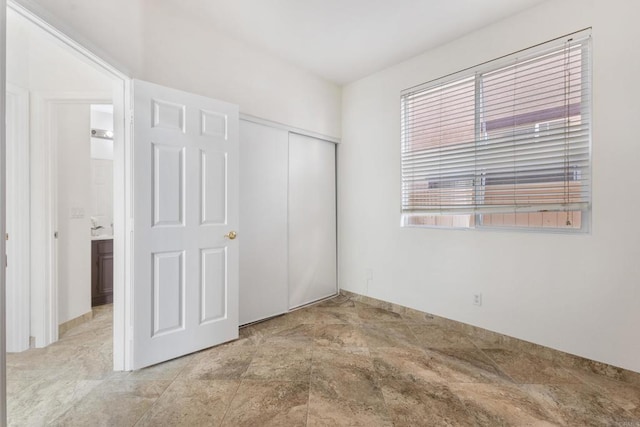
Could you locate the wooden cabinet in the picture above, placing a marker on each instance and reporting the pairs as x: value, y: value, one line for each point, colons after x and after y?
x: 101, y: 272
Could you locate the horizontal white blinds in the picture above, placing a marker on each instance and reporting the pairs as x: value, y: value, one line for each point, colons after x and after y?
x: 511, y: 137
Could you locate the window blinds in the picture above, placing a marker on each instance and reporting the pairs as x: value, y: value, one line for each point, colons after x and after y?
x: 513, y: 135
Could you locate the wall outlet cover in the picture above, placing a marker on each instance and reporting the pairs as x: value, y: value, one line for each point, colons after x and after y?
x: 477, y: 299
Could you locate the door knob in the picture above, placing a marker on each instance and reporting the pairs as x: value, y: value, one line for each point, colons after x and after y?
x: 232, y: 235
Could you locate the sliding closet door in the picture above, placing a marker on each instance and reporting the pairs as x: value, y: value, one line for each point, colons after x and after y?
x: 312, y: 220
x: 263, y: 221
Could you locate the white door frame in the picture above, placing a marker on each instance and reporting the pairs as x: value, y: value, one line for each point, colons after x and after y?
x: 3, y: 360
x: 17, y: 223
x: 122, y: 220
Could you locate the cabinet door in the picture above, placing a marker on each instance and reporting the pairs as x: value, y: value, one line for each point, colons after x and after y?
x: 312, y: 220
x: 263, y: 215
x: 105, y: 281
x: 101, y: 272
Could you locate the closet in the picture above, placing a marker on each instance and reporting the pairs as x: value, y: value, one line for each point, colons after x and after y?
x: 287, y: 220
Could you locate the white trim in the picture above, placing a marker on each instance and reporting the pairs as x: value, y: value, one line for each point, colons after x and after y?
x: 122, y: 226
x: 291, y: 129
x: 40, y: 230
x: 17, y: 220
x: 3, y: 359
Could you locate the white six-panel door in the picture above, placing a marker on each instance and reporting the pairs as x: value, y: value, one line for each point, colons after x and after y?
x: 185, y: 289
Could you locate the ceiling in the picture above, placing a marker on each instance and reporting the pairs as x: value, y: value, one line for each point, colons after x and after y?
x: 344, y: 40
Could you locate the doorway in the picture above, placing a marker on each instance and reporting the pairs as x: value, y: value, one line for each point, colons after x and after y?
x: 62, y: 80
x: 101, y: 209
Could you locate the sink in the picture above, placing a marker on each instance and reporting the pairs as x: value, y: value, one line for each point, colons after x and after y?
x: 101, y: 228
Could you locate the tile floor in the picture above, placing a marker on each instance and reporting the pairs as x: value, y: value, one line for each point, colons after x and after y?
x: 342, y: 362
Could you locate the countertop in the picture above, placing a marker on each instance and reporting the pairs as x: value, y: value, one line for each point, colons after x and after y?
x: 102, y: 237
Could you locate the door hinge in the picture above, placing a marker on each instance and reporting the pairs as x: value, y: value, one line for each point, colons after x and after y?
x: 6, y: 236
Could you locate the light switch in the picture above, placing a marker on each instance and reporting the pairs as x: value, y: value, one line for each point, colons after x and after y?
x: 76, y: 213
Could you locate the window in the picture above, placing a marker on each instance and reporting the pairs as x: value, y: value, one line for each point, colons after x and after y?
x: 506, y: 144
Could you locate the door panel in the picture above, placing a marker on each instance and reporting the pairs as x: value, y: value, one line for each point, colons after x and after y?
x: 168, y: 190
x: 168, y: 292
x: 312, y: 220
x: 213, y: 285
x: 263, y: 214
x: 185, y: 202
x: 214, y: 186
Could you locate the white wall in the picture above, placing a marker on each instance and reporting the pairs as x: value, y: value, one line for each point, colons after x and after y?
x: 576, y: 293
x: 102, y: 170
x: 103, y: 120
x: 74, y: 203
x: 102, y: 195
x: 17, y: 51
x: 156, y: 41
x: 117, y: 21
x: 39, y: 63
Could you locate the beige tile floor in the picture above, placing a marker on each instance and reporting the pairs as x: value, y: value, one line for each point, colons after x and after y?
x: 342, y: 362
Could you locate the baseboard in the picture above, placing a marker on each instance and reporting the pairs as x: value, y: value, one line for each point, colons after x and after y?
x: 70, y: 324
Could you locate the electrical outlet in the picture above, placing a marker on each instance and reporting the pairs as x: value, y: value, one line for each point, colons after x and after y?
x: 477, y: 299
